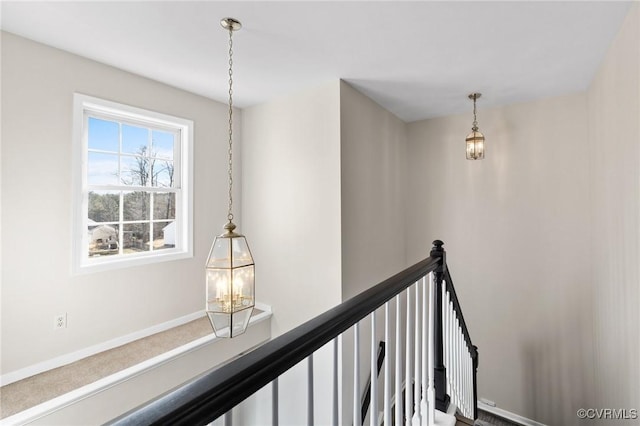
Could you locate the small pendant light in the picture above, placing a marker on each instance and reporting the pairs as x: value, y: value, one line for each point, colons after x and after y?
x: 475, y: 139
x: 230, y: 269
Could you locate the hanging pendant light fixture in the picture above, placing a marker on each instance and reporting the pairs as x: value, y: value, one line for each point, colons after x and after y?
x: 230, y: 268
x: 475, y: 139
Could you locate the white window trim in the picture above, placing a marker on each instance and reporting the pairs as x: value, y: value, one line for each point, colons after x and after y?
x: 81, y: 264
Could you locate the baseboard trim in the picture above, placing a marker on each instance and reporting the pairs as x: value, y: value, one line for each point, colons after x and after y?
x: 63, y: 360
x: 39, y: 411
x: 508, y: 415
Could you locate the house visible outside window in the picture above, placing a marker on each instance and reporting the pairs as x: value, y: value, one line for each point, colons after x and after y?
x: 132, y: 185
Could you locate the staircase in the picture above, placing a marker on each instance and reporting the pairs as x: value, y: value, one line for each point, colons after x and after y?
x: 320, y: 372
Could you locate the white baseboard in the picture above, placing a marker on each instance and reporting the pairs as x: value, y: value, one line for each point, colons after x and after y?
x: 39, y: 411
x: 508, y: 415
x: 63, y: 360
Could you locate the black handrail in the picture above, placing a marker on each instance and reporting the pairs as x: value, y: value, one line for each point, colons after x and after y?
x: 207, y: 397
x: 456, y: 307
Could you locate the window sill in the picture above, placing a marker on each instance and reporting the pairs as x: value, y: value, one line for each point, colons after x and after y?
x: 106, y: 264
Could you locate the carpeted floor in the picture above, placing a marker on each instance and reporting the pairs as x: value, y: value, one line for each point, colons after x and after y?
x: 27, y: 393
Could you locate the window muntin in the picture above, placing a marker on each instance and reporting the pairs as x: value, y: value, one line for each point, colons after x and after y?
x: 135, y: 185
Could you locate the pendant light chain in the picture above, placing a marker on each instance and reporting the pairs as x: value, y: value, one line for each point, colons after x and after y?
x: 475, y: 119
x: 230, y: 212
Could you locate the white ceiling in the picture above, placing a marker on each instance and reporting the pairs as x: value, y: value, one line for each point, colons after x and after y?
x: 419, y: 59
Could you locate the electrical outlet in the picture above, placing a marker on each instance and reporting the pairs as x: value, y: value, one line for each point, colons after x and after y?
x: 60, y: 321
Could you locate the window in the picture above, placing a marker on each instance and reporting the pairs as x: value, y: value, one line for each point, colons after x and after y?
x: 132, y: 185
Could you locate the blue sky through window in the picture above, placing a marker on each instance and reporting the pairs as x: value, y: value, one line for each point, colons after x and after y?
x: 103, y: 135
x: 115, y: 168
x: 162, y: 144
x: 135, y: 140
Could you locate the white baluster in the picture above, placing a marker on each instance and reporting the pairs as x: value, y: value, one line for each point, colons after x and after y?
x: 452, y: 346
x: 466, y: 376
x: 336, y: 387
x: 357, y: 421
x: 416, y: 358
x: 451, y: 369
x: 373, y: 401
x: 458, y: 362
x: 456, y: 376
x: 398, y: 390
x: 228, y: 418
x: 466, y: 382
x: 445, y: 335
x: 340, y: 419
x: 469, y: 386
x: 448, y: 363
x: 274, y: 403
x: 454, y: 370
x: 387, y: 368
x: 463, y: 401
x: 310, y: 421
x: 462, y: 358
x: 408, y: 389
x: 424, y: 339
x: 431, y: 339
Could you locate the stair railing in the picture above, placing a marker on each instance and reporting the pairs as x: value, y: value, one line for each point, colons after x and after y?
x: 460, y: 355
x: 434, y: 361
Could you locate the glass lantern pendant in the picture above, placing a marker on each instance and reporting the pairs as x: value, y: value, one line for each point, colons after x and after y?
x: 475, y: 139
x: 230, y: 269
x: 230, y: 283
x: 475, y: 145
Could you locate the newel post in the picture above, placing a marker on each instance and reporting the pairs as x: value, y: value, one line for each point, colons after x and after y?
x: 439, y: 370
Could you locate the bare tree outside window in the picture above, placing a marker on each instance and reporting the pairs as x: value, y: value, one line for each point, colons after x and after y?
x: 132, y: 185
x: 146, y: 214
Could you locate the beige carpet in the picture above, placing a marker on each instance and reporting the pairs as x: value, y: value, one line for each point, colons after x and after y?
x: 19, y: 396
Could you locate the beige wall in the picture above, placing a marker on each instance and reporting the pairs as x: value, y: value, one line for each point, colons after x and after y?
x: 373, y: 157
x: 291, y: 201
x: 614, y: 143
x: 373, y: 144
x: 38, y: 83
x: 516, y: 228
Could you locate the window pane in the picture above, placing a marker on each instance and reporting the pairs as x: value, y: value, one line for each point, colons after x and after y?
x: 104, y: 206
x: 164, y: 205
x: 135, y: 140
x: 103, y: 135
x: 136, y: 205
x: 135, y: 237
x: 164, y: 235
x: 162, y: 144
x: 135, y: 171
x: 102, y: 169
x: 163, y: 174
x: 128, y: 192
x: 103, y: 240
